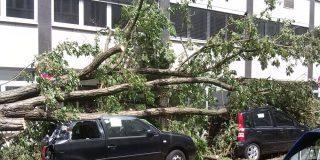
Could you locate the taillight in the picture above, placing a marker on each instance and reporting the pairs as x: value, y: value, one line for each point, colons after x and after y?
x: 241, y: 136
x: 43, y: 153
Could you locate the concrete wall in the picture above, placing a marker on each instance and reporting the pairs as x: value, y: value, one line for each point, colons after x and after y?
x: 60, y: 34
x: 18, y: 44
x: 300, y: 12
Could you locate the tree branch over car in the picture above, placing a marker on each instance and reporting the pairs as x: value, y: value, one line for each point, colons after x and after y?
x: 137, y: 64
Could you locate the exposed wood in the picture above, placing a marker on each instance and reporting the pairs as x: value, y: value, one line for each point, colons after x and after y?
x: 18, y: 109
x: 19, y: 93
x: 13, y: 124
x: 98, y: 60
x: 153, y: 112
x: 33, y: 90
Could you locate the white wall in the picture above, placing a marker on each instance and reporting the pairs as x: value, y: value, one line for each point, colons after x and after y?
x: 300, y: 13
x: 60, y: 35
x: 300, y: 71
x: 230, y: 6
x: 18, y: 44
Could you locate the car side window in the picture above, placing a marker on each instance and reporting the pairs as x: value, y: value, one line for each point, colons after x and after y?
x: 126, y: 127
x: 85, y: 130
x: 262, y: 118
x: 282, y: 119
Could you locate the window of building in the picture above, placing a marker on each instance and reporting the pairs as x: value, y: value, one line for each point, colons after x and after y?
x: 272, y: 28
x: 300, y: 30
x: 198, y: 23
x: 85, y: 130
x: 116, y: 15
x: 260, y: 24
x: 288, y: 4
x: 218, y: 21
x: 95, y: 13
x: 20, y: 8
x: 66, y: 11
x: 120, y: 1
x: 262, y: 119
x: 282, y: 119
x: 177, y: 18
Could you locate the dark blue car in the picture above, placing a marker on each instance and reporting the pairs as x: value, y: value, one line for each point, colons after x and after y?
x: 306, y: 148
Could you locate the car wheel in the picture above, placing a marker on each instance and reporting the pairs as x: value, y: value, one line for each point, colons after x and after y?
x: 176, y: 155
x: 252, y: 151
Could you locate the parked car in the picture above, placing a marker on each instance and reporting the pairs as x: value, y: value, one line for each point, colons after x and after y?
x: 306, y: 148
x: 115, y: 137
x: 266, y: 130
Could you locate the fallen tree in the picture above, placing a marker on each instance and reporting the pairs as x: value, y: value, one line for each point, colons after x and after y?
x: 15, y: 124
x: 139, y: 69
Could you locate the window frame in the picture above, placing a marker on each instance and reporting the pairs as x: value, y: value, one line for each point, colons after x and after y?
x: 4, y: 17
x: 286, y: 4
x: 261, y: 126
x: 99, y: 127
x: 148, y: 127
x: 283, y: 114
x: 81, y: 25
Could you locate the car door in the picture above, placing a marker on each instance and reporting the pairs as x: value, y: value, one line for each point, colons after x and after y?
x: 290, y: 132
x: 87, y: 142
x: 130, y: 139
x: 264, y: 130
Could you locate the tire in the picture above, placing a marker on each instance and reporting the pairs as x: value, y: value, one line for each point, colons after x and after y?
x: 252, y: 151
x: 176, y: 155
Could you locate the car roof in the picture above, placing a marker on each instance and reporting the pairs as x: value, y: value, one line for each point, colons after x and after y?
x: 255, y: 108
x: 125, y: 117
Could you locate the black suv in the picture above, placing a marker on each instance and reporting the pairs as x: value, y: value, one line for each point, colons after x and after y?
x: 266, y: 130
x: 115, y: 137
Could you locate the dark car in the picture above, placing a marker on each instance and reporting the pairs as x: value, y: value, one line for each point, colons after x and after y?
x: 116, y: 137
x: 266, y: 130
x: 306, y: 148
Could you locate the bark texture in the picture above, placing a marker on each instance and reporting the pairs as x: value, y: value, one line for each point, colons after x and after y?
x: 9, y: 124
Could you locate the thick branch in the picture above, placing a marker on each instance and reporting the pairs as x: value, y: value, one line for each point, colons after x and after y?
x: 33, y: 90
x: 158, y: 112
x: 98, y: 60
x: 161, y: 72
x: 26, y: 105
x: 9, y: 124
x: 131, y: 24
x: 18, y: 94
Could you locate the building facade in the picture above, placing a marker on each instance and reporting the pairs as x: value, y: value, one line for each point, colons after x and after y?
x: 31, y: 27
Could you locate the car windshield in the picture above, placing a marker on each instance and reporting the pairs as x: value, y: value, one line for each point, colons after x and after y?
x: 309, y: 153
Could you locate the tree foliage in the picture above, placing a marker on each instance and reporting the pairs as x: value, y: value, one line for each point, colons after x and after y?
x: 138, y: 69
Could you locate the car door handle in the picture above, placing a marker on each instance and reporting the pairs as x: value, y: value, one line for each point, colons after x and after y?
x: 112, y: 147
x: 259, y: 131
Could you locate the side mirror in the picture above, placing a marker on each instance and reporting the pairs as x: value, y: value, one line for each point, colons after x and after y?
x: 151, y: 133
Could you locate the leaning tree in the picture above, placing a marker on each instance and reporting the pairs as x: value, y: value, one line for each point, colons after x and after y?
x: 140, y: 74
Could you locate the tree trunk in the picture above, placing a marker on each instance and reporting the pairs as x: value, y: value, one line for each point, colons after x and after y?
x: 27, y: 105
x: 10, y: 124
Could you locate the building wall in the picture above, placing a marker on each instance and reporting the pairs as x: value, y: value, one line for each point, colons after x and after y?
x: 60, y: 34
x: 18, y: 44
x: 19, y: 37
x: 300, y: 12
x: 230, y: 6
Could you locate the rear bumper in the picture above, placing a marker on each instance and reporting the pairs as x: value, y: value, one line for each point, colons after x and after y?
x: 240, y: 148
